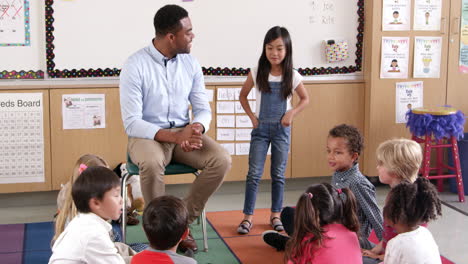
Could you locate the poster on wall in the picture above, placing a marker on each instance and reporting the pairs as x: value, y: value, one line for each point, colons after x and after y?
x: 83, y: 111
x: 14, y: 23
x: 427, y: 52
x: 394, y: 61
x: 427, y: 14
x: 396, y: 15
x: 463, y: 64
x: 409, y: 95
x: 21, y: 138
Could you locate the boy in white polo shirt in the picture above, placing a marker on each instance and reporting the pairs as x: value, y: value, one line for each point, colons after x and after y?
x: 86, y: 239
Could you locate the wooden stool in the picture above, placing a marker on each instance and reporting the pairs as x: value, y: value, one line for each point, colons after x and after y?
x: 425, y: 127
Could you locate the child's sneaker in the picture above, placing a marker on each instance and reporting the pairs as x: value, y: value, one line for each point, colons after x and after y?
x: 275, y: 239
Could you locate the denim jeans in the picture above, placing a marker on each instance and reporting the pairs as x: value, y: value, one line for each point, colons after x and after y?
x: 269, y: 131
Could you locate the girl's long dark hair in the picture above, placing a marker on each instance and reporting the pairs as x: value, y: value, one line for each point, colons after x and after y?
x: 264, y: 65
x: 327, y: 206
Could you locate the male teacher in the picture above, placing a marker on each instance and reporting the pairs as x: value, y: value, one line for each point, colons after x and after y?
x: 157, y: 84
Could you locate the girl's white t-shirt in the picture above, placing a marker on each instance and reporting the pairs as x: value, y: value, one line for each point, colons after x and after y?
x: 297, y: 79
x: 415, y: 247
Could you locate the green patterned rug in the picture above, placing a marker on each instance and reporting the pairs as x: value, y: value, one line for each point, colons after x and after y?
x: 218, y: 251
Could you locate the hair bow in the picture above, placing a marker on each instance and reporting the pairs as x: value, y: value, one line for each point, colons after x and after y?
x: 82, y: 168
x: 310, y: 195
x: 339, y: 191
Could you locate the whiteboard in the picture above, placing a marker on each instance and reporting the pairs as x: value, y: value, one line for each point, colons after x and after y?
x: 90, y: 35
x: 27, y: 59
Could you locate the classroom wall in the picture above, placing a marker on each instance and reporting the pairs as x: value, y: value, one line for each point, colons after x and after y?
x: 368, y: 104
x: 330, y: 104
x: 380, y: 94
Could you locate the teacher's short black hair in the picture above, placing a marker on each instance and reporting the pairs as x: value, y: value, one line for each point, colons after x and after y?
x: 167, y: 19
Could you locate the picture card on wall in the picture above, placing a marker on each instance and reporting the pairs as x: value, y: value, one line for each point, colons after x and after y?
x: 243, y: 134
x: 225, y: 134
x: 427, y: 14
x: 463, y: 52
x: 225, y: 107
x: 209, y: 94
x: 427, y: 53
x: 237, y: 93
x: 225, y: 121
x: 238, y: 108
x: 242, y: 148
x: 396, y: 15
x: 243, y: 121
x: 394, y: 61
x: 226, y: 94
x: 409, y: 95
x: 229, y: 147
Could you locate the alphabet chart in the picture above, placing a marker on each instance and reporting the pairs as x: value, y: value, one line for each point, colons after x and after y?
x: 21, y: 138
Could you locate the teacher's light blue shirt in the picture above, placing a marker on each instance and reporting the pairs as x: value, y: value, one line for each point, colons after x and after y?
x: 155, y: 93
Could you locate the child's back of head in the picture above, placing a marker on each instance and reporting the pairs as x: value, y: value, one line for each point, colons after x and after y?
x: 408, y: 207
x: 321, y: 205
x: 401, y: 157
x: 165, y: 221
x: 411, y: 204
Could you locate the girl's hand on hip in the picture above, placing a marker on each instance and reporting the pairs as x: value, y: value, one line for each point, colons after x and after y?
x: 254, y: 122
x: 287, y: 119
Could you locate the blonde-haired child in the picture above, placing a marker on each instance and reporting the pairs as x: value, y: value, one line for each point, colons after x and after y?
x: 398, y: 160
x: 66, y: 207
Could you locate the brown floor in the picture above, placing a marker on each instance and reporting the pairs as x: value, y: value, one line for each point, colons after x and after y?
x: 248, y: 248
x: 251, y: 248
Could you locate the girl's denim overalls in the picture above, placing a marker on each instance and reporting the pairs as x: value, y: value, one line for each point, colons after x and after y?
x: 269, y: 130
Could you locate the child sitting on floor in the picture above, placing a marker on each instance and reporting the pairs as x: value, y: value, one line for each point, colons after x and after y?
x: 165, y: 221
x: 326, y: 227
x: 344, y: 146
x: 409, y: 205
x: 96, y: 195
x: 66, y: 209
x: 398, y: 160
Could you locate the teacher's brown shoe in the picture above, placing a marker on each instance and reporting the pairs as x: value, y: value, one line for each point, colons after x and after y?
x: 188, y: 243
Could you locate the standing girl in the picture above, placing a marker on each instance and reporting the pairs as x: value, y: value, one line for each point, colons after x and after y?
x: 326, y: 227
x: 275, y: 81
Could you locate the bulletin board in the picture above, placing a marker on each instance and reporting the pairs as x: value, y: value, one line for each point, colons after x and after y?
x: 93, y: 38
x: 24, y: 60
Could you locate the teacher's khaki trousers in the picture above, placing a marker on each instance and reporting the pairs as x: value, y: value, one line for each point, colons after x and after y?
x: 152, y: 156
